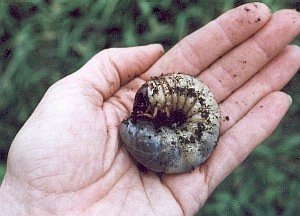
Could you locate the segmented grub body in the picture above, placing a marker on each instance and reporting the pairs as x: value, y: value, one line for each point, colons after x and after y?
x: 174, y: 126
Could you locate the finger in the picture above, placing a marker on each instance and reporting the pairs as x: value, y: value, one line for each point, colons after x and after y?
x: 112, y: 68
x: 192, y: 189
x: 199, y: 49
x: 238, y: 142
x: 236, y: 67
x: 273, y: 77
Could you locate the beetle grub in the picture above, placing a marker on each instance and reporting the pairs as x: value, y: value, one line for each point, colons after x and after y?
x: 162, y: 132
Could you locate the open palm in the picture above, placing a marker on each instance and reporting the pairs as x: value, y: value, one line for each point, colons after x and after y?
x: 67, y: 159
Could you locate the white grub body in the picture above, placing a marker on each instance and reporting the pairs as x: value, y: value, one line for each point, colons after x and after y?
x: 174, y: 126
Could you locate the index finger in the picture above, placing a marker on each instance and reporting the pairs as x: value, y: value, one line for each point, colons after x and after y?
x: 199, y: 49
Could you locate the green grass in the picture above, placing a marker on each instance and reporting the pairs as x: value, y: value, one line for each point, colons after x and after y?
x: 42, y: 42
x: 2, y: 170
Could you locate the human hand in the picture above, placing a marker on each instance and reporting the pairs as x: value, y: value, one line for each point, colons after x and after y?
x: 67, y: 158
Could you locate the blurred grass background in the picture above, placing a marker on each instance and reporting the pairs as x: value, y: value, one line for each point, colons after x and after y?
x: 43, y: 41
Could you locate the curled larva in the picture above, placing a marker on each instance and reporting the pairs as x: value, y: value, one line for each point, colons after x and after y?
x: 174, y: 125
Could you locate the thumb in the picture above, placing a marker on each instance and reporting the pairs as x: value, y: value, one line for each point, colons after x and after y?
x: 108, y: 70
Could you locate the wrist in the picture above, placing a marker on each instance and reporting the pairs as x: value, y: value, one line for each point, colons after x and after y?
x: 11, y: 200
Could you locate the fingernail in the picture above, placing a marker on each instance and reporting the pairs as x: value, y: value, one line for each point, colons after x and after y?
x: 290, y: 100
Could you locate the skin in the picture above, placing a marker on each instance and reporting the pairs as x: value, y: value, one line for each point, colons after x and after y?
x: 67, y: 158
